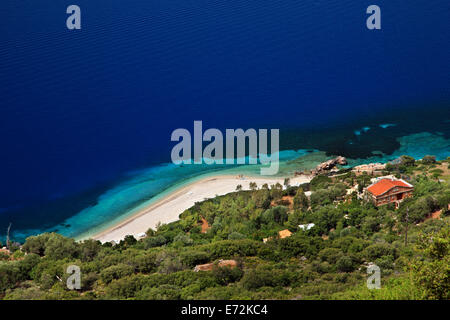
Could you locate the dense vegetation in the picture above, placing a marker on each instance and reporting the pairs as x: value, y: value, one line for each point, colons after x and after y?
x: 328, y: 261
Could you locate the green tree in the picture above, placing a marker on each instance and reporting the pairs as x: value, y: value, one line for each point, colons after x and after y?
x: 345, y: 264
x: 154, y: 241
x: 236, y: 236
x: 378, y: 250
x: 261, y: 198
x: 59, y: 247
x: 370, y: 225
x: 407, y: 161
x: 256, y: 278
x: 89, y: 249
x: 116, y: 272
x: 9, y: 275
x: 301, y: 200
x: 429, y: 159
x: 36, y: 244
x: 276, y: 191
x: 226, y: 275
x: 128, y: 241
x: 330, y: 255
x: 320, y: 182
x: 433, y: 273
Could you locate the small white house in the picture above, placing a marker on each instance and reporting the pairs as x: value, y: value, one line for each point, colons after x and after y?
x: 306, y: 227
x: 141, y: 235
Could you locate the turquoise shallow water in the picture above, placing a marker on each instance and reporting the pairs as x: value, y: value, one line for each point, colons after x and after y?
x: 81, y: 109
x: 140, y: 188
x: 415, y: 145
x: 144, y: 187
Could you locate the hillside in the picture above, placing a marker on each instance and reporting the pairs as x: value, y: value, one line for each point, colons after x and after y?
x: 326, y: 261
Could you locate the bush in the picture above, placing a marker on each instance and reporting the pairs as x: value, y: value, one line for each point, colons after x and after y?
x: 226, y: 275
x: 429, y: 159
x: 319, y: 182
x: 156, y: 241
x: 345, y: 264
x: 88, y: 280
x: 257, y: 278
x: 182, y: 240
x: 27, y: 264
x: 236, y: 236
x: 301, y: 200
x: 171, y: 264
x: 128, y: 241
x: 433, y: 273
x: 163, y: 292
x: 261, y: 198
x: 276, y: 214
x: 9, y: 275
x: 407, y: 161
x: 89, y: 250
x: 376, y: 251
x: 191, y: 258
x: 330, y: 255
x: 125, y: 287
x: 4, y: 256
x: 370, y: 225
x: 232, y: 248
x: 116, y: 272
x: 321, y: 197
x: 59, y: 247
x: 298, y: 245
x: 386, y: 263
x: 419, y: 209
x: 36, y: 244
x: 145, y: 263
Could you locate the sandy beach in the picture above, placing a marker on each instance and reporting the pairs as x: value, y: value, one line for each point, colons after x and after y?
x: 169, y: 208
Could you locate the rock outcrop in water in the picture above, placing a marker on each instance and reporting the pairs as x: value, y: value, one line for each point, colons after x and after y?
x: 330, y: 164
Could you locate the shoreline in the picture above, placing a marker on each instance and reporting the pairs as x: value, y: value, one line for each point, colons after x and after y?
x: 169, y: 208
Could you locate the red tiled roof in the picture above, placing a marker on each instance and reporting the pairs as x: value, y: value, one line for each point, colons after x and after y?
x: 385, y: 185
x: 5, y: 251
x: 284, y: 233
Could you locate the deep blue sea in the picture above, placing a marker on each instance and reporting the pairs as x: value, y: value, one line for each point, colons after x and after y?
x: 86, y: 115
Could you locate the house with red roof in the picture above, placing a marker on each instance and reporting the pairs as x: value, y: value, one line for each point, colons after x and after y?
x: 387, y: 190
